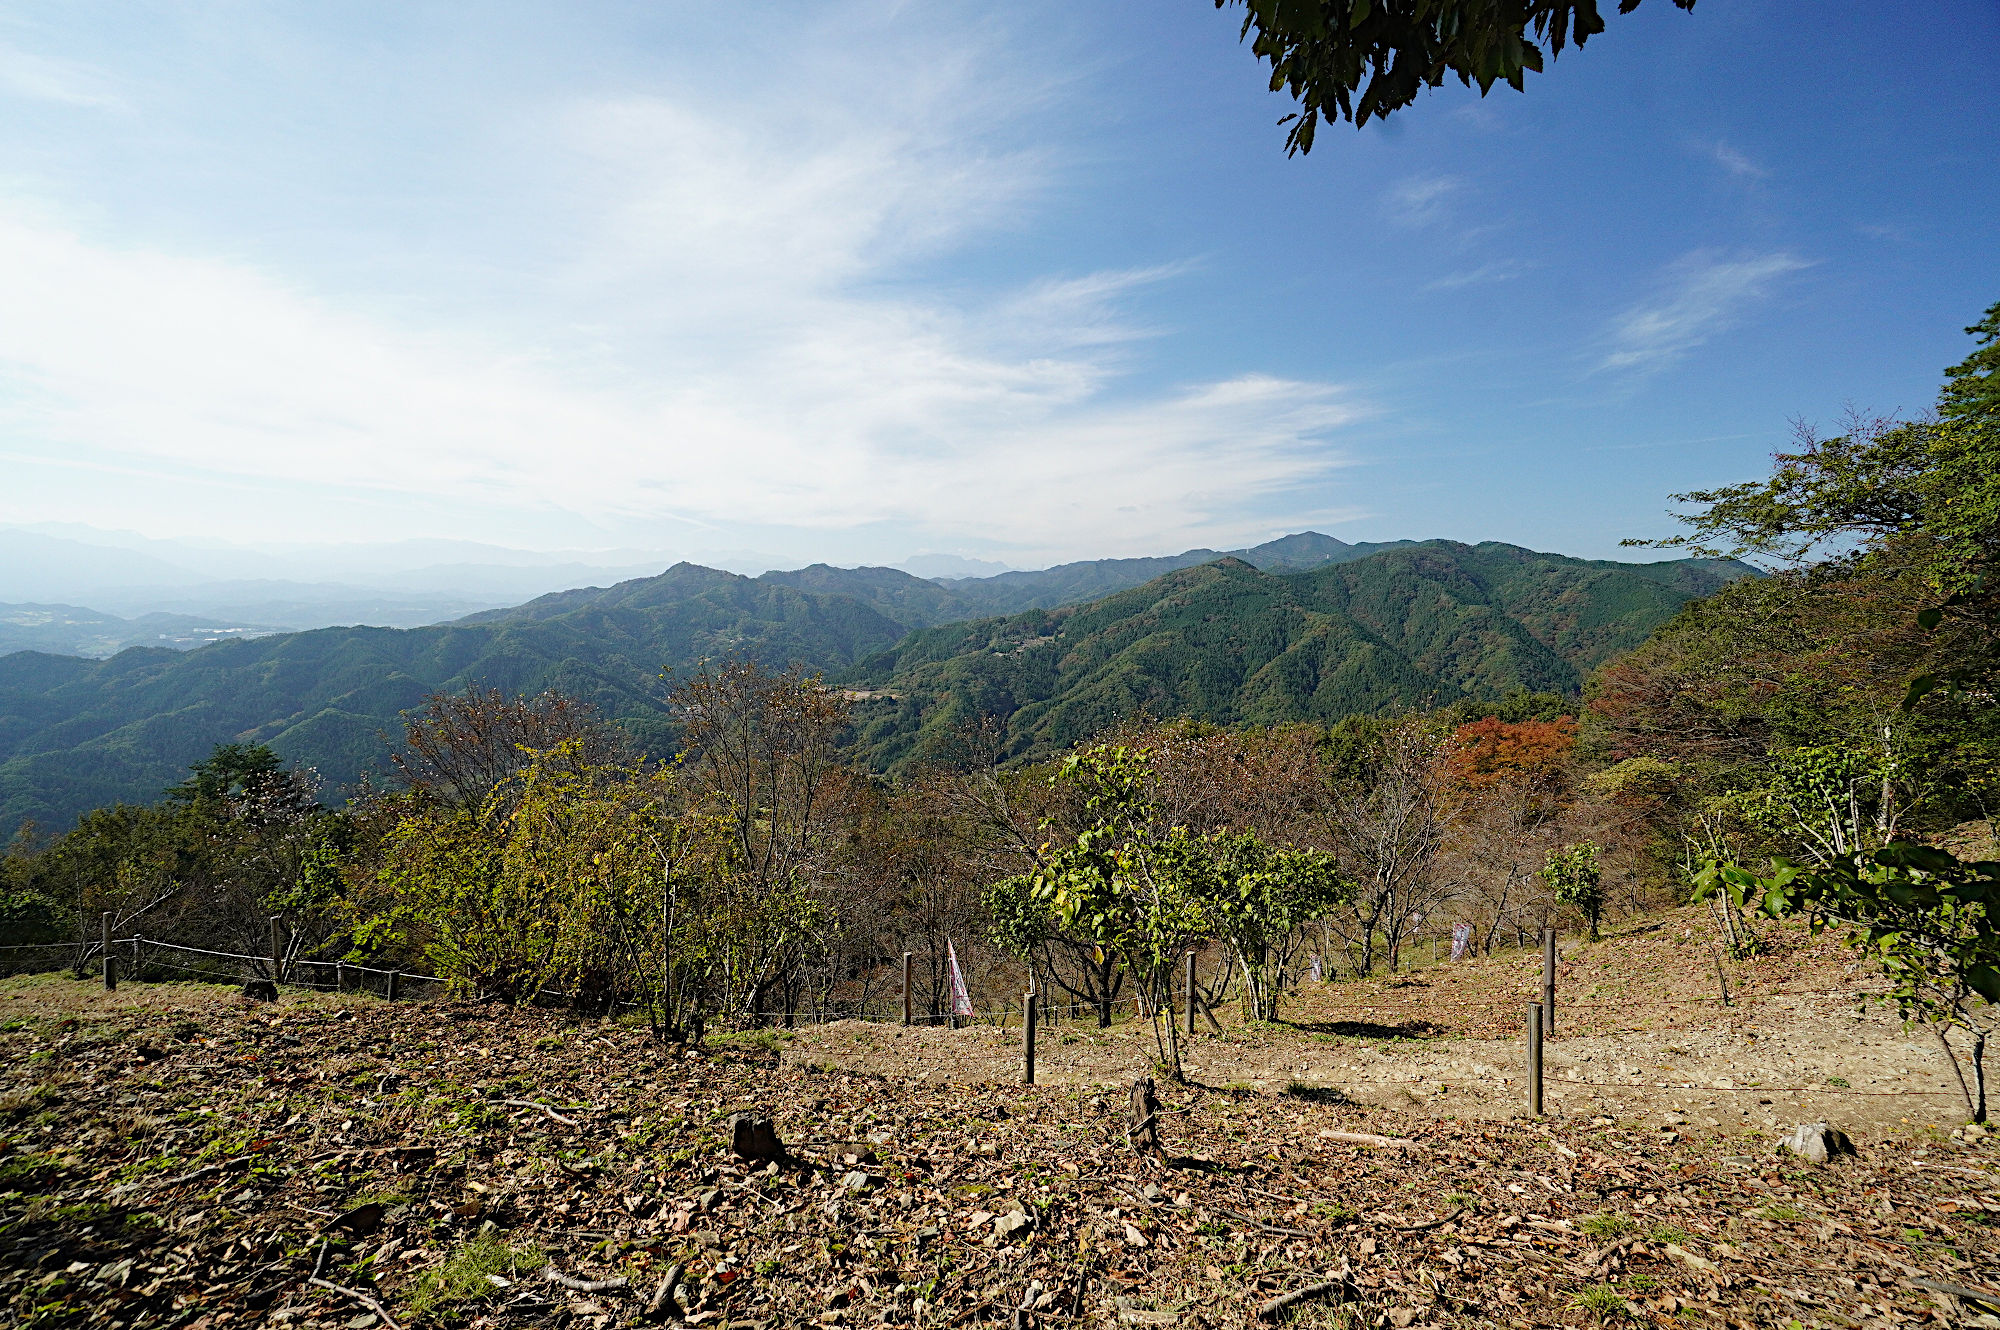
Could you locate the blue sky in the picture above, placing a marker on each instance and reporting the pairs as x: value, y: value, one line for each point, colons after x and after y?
x: 1026, y: 282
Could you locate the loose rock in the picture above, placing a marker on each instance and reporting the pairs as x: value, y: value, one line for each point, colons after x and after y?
x: 1817, y: 1142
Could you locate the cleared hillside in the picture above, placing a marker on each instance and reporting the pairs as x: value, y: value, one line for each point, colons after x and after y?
x: 176, y: 1155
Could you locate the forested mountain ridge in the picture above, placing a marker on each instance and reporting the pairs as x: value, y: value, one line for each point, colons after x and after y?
x: 76, y: 734
x: 1419, y: 625
x: 1402, y: 625
x: 1075, y: 583
x: 917, y: 602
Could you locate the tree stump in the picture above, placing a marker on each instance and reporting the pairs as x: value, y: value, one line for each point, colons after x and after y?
x: 754, y: 1139
x: 1142, y: 1121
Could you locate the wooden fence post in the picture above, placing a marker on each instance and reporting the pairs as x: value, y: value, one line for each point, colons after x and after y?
x: 394, y: 975
x: 137, y: 938
x: 1534, y: 1060
x: 277, y: 953
x: 1190, y: 993
x: 1029, y: 1005
x: 340, y: 976
x: 1548, y: 981
x: 906, y: 988
x: 104, y: 945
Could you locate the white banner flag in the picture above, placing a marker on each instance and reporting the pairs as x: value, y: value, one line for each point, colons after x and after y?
x: 961, y: 1002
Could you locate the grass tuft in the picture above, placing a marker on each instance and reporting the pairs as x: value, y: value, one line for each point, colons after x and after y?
x: 463, y: 1278
x: 1600, y: 1300
x: 1604, y: 1227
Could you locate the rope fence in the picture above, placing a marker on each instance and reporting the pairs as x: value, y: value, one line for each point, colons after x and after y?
x: 92, y: 950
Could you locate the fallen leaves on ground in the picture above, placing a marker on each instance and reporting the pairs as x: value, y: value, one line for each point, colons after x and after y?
x: 207, y: 1162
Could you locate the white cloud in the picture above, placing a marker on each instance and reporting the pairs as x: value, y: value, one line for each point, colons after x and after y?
x: 63, y: 82
x: 1702, y: 294
x: 811, y: 410
x: 1502, y: 270
x: 723, y: 325
x: 1422, y: 200
x: 1736, y: 163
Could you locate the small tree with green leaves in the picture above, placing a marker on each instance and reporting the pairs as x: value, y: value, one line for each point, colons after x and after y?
x: 1258, y: 897
x: 1830, y: 801
x: 1576, y: 878
x: 1024, y: 923
x: 1126, y: 883
x: 1929, y: 920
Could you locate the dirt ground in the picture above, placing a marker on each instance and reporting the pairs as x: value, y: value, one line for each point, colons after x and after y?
x: 176, y: 1156
x: 1641, y: 1037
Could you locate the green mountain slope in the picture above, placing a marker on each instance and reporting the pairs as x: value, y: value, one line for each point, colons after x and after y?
x: 1074, y: 583
x: 1416, y: 625
x: 75, y: 734
x: 1356, y: 631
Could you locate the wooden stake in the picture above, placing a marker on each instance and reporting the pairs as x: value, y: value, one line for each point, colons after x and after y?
x: 137, y: 938
x: 1534, y: 1061
x: 110, y: 966
x: 394, y: 976
x: 906, y: 988
x: 1548, y: 981
x: 1030, y: 1008
x: 277, y: 953
x: 1190, y: 993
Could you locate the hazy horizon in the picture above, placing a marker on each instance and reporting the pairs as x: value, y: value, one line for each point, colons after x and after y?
x: 1024, y: 284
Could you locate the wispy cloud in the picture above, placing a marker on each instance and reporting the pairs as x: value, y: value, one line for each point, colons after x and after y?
x: 1734, y: 162
x: 1501, y: 270
x: 1701, y: 294
x: 63, y: 82
x: 1422, y: 200
x: 724, y: 336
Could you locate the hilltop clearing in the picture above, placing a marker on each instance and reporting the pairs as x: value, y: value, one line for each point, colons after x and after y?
x: 1641, y: 1038
x: 174, y: 1156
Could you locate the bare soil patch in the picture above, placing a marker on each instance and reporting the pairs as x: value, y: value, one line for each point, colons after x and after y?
x: 1641, y: 1036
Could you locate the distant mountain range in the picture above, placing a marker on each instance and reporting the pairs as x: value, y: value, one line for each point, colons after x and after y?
x: 71, y: 630
x: 1306, y: 626
x: 915, y: 602
x: 397, y: 584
